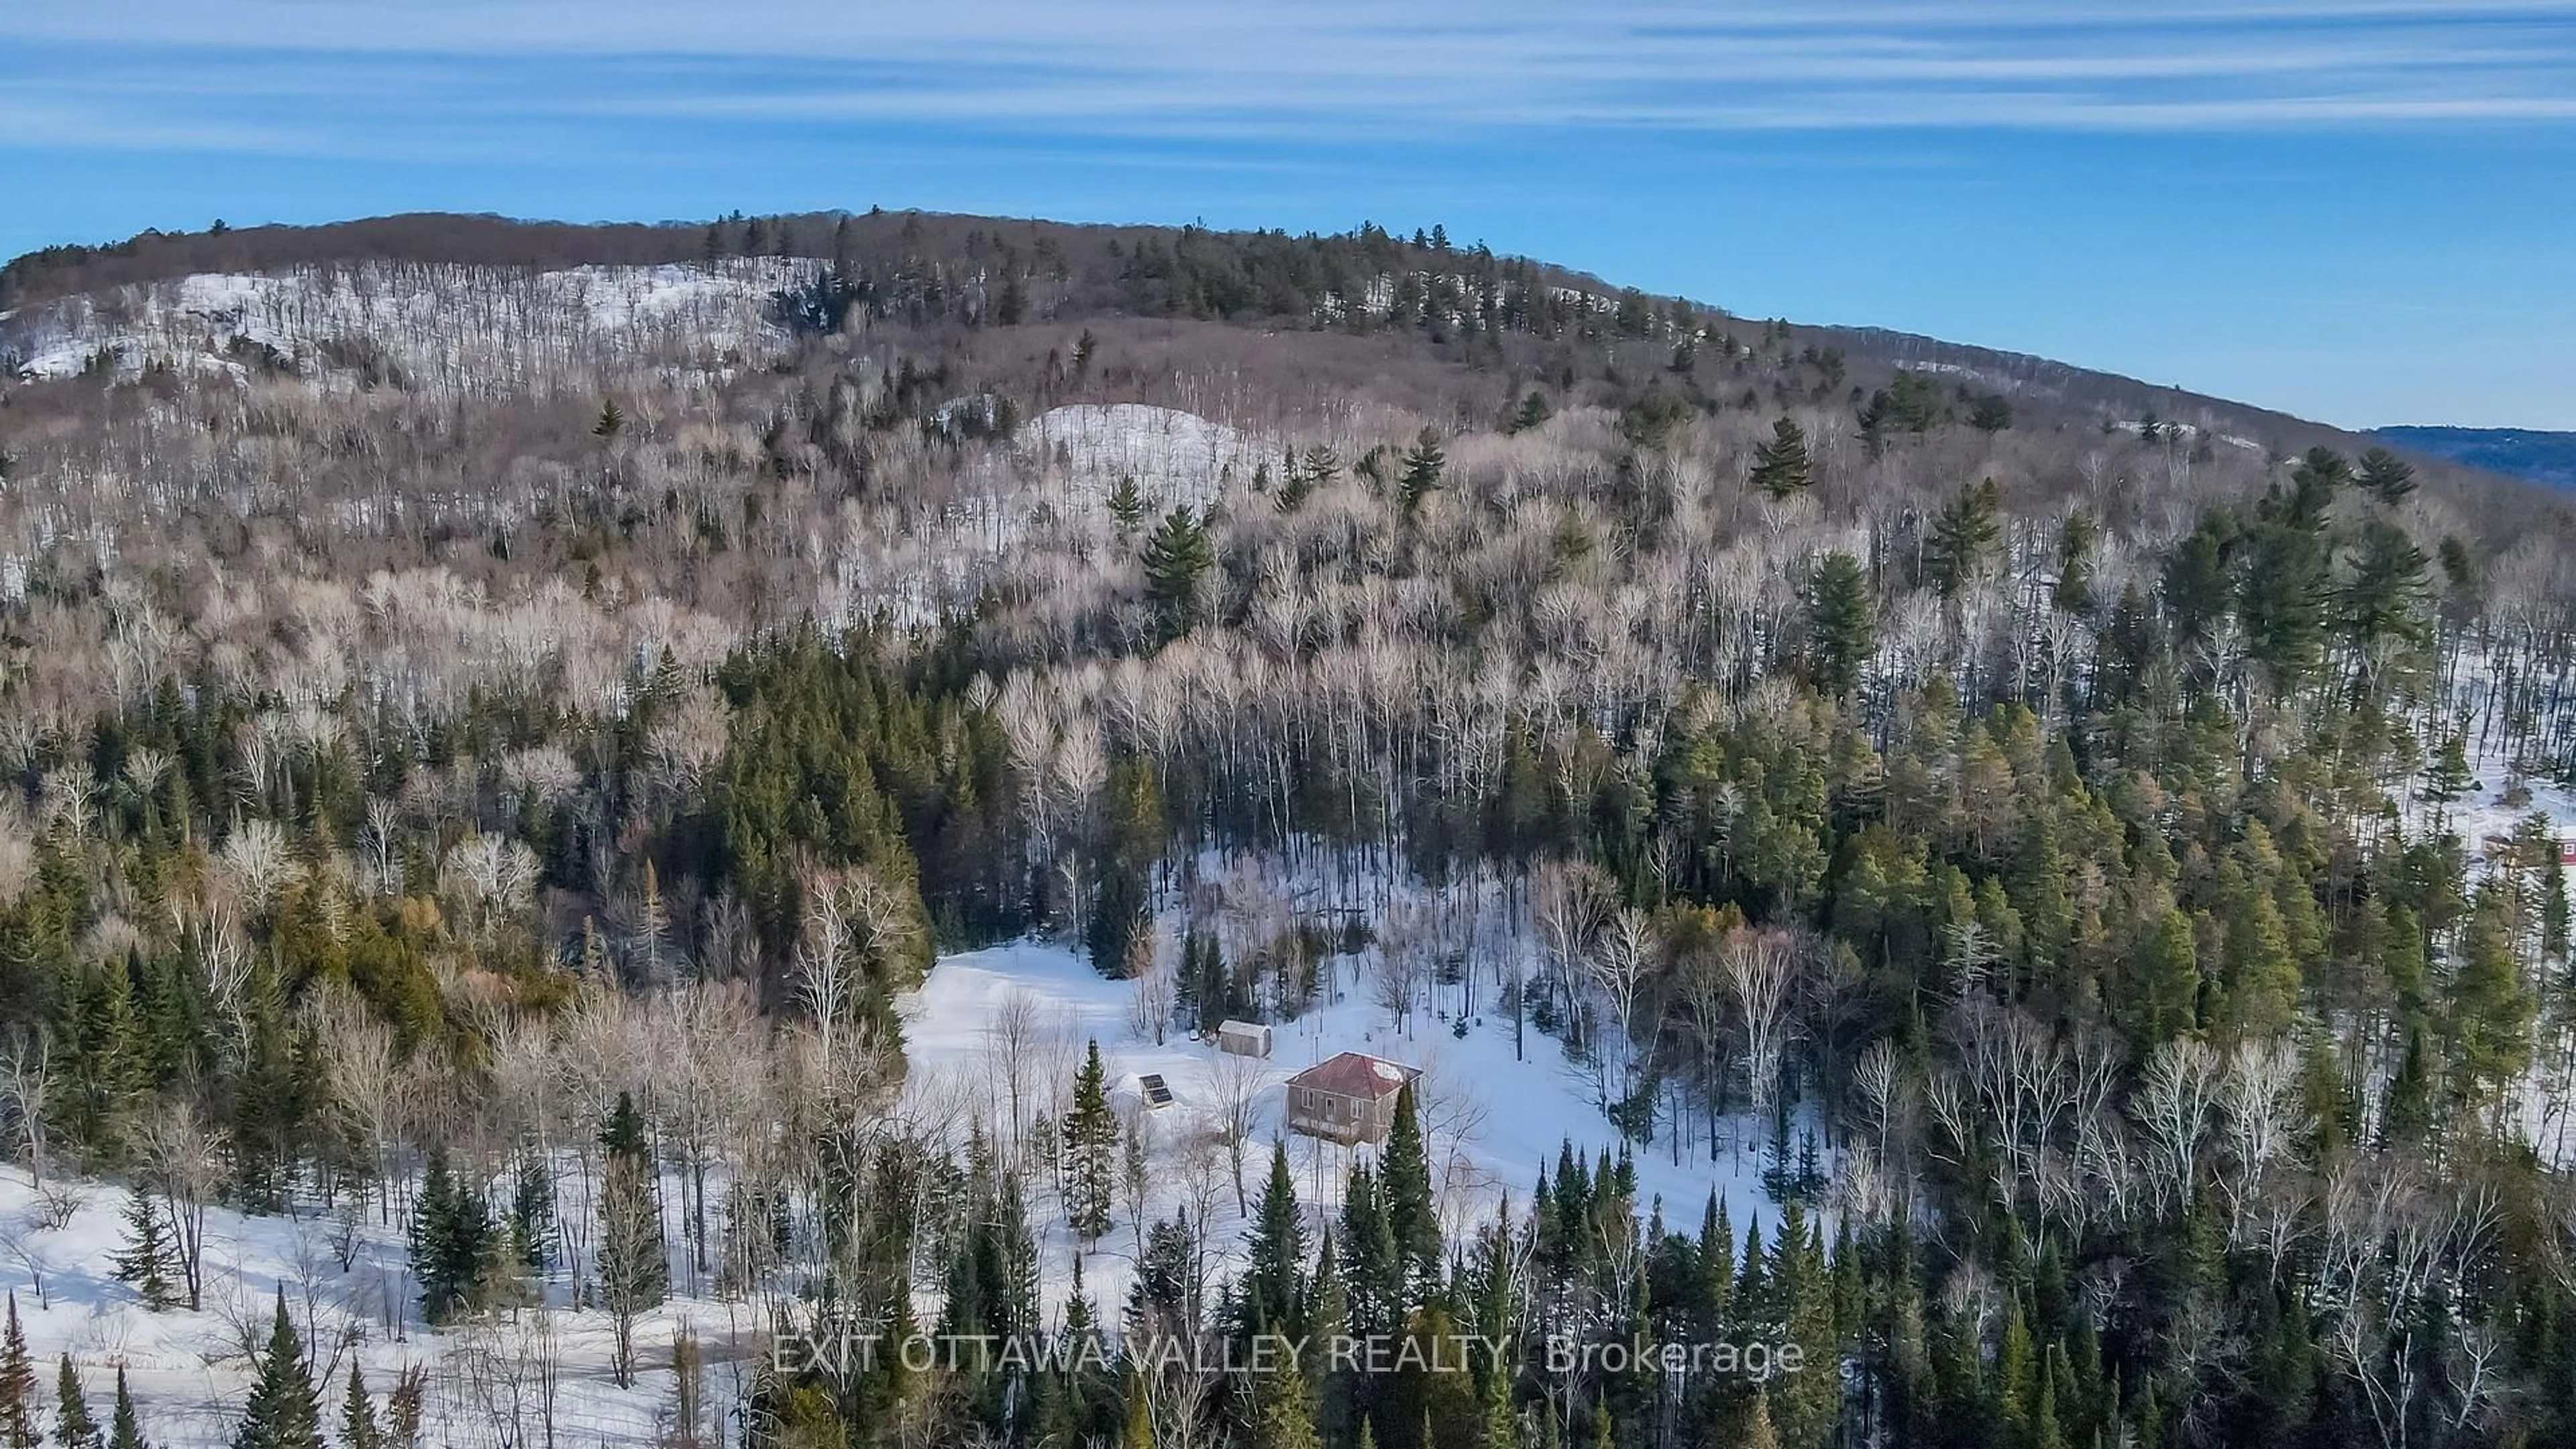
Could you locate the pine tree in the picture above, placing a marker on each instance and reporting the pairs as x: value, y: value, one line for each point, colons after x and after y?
x: 1842, y: 623
x: 1781, y: 466
x: 1091, y: 1151
x: 1963, y: 538
x: 73, y: 1427
x: 1423, y: 467
x: 358, y: 1427
x: 1990, y: 413
x: 1177, y: 558
x: 1533, y: 412
x: 281, y: 1413
x: 125, y: 1430
x: 1127, y: 506
x: 145, y: 1258
x: 2078, y: 539
x: 2388, y: 477
x: 17, y: 1386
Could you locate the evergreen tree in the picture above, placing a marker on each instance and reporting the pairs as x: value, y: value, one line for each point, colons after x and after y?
x: 2490, y: 1010
x: 2388, y: 477
x: 532, y: 1212
x: 2166, y: 970
x: 1127, y: 506
x: 281, y: 1413
x: 1963, y: 538
x: 1842, y: 623
x: 1132, y: 838
x: 1090, y: 1138
x: 1990, y: 413
x: 1178, y: 556
x: 1139, y: 1430
x: 1423, y: 467
x: 17, y: 1386
x: 1533, y: 412
x: 1284, y: 1410
x: 2078, y: 540
x: 73, y: 1427
x: 634, y: 1263
x: 125, y: 1430
x: 145, y: 1259
x: 1273, y: 1293
x: 1412, y: 1222
x: 451, y: 1234
x: 358, y: 1426
x: 1781, y: 466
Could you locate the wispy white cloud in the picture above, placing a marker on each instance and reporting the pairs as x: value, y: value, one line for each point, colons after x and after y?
x: 426, y: 73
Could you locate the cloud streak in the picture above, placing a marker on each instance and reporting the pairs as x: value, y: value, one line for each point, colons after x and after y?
x: 421, y: 75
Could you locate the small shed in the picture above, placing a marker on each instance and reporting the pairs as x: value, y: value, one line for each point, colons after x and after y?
x: 1243, y: 1039
x: 1349, y: 1099
x: 1156, y: 1092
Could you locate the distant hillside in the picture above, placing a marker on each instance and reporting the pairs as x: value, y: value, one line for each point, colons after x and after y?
x: 2538, y: 457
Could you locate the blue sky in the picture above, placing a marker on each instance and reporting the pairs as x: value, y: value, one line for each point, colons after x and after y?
x: 2356, y: 210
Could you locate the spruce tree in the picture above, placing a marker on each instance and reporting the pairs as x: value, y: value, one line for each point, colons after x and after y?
x: 1842, y: 623
x: 451, y: 1233
x: 358, y: 1426
x: 1533, y: 412
x: 144, y: 1259
x: 125, y: 1430
x: 17, y: 1386
x: 1412, y: 1222
x: 281, y: 1413
x: 1091, y: 1151
x: 73, y: 1427
x: 1781, y: 466
x: 1273, y: 1293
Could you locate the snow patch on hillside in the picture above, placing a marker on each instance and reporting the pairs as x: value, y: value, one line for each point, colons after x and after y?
x: 1176, y: 457
x: 469, y: 328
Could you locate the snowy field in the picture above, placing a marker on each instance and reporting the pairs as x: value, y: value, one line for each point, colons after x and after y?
x: 1492, y: 1120
x: 189, y: 1370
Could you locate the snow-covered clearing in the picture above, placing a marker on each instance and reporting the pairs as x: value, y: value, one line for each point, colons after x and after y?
x: 1177, y: 458
x: 1013, y: 1021
x: 189, y: 1370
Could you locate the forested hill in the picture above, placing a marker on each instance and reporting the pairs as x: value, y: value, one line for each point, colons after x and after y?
x: 530, y: 758
x: 1466, y: 304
